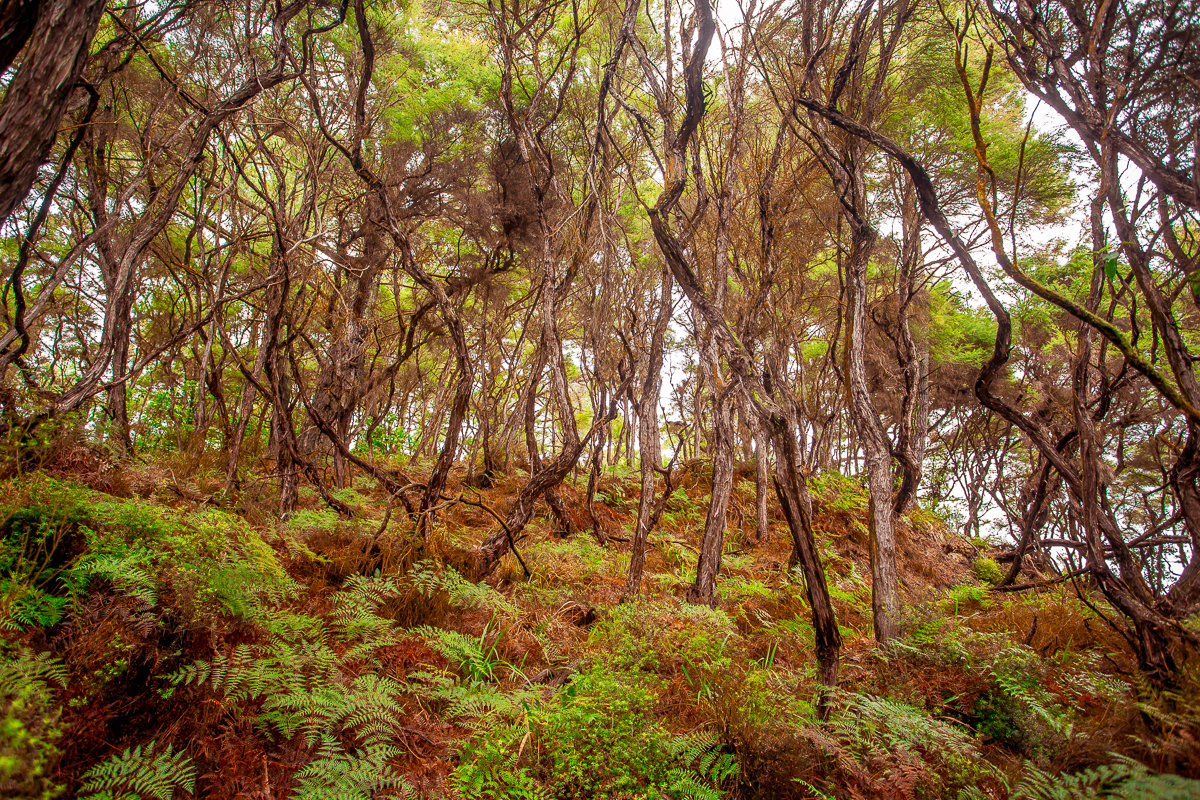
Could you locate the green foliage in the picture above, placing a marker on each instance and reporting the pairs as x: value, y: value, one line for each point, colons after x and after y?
x: 428, y: 577
x: 596, y: 738
x: 836, y: 492
x: 241, y: 675
x: 987, y: 570
x: 475, y: 657
x: 746, y: 702
x: 29, y: 723
x: 140, y: 772
x: 305, y: 519
x: 314, y: 705
x: 1012, y: 703
x: 701, y: 766
x: 128, y: 571
x: 339, y: 774
x: 739, y: 588
x: 1017, y: 709
x: 967, y: 597
x: 303, y: 688
x: 62, y: 538
x: 901, y: 747
x: 1119, y: 781
x: 494, y: 773
x: 653, y: 636
x: 356, y: 616
x: 37, y: 536
x: 574, y: 560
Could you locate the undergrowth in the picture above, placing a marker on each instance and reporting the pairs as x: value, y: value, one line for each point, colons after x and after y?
x: 152, y: 651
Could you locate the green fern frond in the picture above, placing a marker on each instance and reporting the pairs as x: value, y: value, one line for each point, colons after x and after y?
x: 357, y: 620
x: 429, y: 578
x: 128, y: 571
x: 23, y: 607
x: 337, y: 774
x: 240, y: 676
x: 702, y: 766
x: 484, y: 703
x: 29, y: 669
x: 139, y: 773
x: 476, y: 659
x: 685, y: 784
x: 367, y: 708
x: 1097, y: 782
x: 368, y: 592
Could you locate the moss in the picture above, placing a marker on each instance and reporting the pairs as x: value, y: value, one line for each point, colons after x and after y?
x: 988, y: 571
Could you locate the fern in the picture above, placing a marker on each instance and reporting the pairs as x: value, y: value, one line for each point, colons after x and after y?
x: 374, y: 707
x: 368, y: 708
x: 1124, y: 780
x: 429, y: 578
x: 125, y: 570
x: 483, y: 703
x: 30, y: 670
x: 885, y: 743
x: 492, y: 775
x: 240, y: 676
x: 29, y: 723
x: 368, y: 592
x: 137, y: 773
x: 23, y: 607
x: 338, y: 774
x: 357, y: 619
x: 474, y: 657
x: 701, y: 766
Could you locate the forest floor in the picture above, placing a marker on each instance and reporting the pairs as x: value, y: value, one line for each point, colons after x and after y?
x: 161, y: 639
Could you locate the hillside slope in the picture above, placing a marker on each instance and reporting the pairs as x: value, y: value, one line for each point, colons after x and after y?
x: 173, y: 641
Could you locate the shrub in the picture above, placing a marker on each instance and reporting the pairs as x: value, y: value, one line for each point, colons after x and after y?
x: 836, y: 492
x: 29, y: 724
x: 39, y: 534
x: 966, y: 598
x: 988, y: 571
x: 597, y: 739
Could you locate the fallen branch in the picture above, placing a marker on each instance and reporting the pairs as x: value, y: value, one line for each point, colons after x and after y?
x: 1040, y: 584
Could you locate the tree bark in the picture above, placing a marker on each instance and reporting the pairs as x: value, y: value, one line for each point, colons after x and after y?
x: 17, y: 18
x: 650, y: 455
x: 885, y: 601
x: 910, y: 444
x: 761, y: 480
x: 56, y: 53
x: 709, y: 563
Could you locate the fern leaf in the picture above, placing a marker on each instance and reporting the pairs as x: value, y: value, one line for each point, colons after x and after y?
x: 137, y: 772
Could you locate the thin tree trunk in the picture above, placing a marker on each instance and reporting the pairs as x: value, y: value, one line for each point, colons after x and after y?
x: 709, y: 563
x: 650, y: 455
x: 245, y: 411
x: 761, y: 481
x: 910, y: 359
x: 885, y: 600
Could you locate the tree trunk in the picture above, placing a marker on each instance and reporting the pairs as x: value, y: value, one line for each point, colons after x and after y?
x: 118, y: 395
x: 17, y: 18
x: 40, y: 91
x: 709, y: 563
x: 761, y: 481
x: 885, y: 601
x: 909, y: 439
x: 650, y: 455
x: 245, y: 411
x: 792, y: 490
x: 340, y: 385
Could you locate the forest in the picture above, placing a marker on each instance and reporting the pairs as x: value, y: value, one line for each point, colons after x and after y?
x: 600, y: 399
